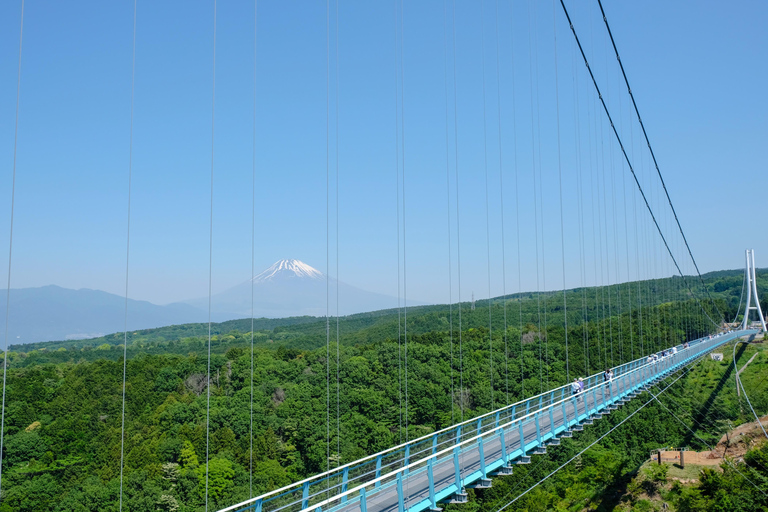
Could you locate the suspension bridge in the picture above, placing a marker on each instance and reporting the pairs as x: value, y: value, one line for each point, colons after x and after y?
x: 439, y: 467
x: 609, y: 194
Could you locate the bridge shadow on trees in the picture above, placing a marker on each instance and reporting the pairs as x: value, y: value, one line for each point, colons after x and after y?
x: 702, y: 416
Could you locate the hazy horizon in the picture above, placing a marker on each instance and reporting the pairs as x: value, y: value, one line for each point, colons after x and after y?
x: 693, y: 74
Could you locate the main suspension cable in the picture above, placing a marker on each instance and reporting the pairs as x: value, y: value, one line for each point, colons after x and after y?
x: 626, y: 157
x: 653, y: 156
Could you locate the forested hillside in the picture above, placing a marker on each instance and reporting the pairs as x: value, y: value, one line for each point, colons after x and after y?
x: 64, y: 399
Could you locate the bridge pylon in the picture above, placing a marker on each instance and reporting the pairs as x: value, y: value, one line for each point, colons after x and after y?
x: 751, y: 280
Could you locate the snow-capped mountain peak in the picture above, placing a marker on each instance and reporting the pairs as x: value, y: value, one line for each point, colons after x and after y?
x: 289, y: 269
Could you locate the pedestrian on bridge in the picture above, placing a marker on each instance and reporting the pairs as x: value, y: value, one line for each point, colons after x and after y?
x: 575, y: 388
x: 581, y: 384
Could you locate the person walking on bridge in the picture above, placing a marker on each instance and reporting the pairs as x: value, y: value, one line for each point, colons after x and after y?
x: 575, y: 388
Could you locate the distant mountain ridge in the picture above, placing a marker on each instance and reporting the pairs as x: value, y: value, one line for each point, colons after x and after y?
x: 288, y: 288
x: 291, y: 287
x: 55, y: 313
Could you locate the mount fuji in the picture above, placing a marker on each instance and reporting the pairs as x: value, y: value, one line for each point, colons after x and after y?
x: 291, y: 288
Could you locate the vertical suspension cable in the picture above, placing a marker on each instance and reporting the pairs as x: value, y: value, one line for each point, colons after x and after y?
x: 639, y: 282
x: 592, y: 164
x: 10, y: 243
x: 535, y: 197
x: 600, y: 165
x: 580, y: 207
x: 127, y: 260
x: 253, y: 242
x: 210, y: 266
x: 541, y: 198
x: 626, y: 243
x: 501, y: 197
x: 328, y: 240
x: 617, y: 267
x: 338, y: 358
x: 458, y: 234
x: 487, y: 206
x: 397, y: 194
x: 458, y: 220
x: 602, y: 216
x: 597, y: 233
x: 402, y: 148
x: 607, y: 218
x: 560, y: 187
x: 517, y: 207
x: 448, y: 202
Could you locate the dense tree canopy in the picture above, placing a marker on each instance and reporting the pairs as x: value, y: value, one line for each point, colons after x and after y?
x: 64, y: 400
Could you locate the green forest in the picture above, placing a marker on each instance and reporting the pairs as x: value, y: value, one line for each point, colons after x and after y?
x: 62, y: 423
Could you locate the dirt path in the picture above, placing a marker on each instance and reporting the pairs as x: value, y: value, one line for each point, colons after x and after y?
x: 740, y: 440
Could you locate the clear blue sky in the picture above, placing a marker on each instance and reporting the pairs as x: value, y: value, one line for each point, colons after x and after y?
x: 698, y: 74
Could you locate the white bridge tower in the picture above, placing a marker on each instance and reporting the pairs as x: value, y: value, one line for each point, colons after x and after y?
x: 751, y: 281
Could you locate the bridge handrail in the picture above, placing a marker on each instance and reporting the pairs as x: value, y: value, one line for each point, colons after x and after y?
x: 296, y: 486
x: 436, y: 455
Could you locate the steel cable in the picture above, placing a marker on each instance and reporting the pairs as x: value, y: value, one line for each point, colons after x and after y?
x: 127, y: 259
x: 210, y: 267
x: 653, y: 156
x: 626, y: 157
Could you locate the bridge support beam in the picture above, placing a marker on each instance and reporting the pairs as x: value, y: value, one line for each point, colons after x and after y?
x: 378, y: 472
x: 305, y: 495
x: 407, y: 459
x: 457, y: 468
x: 363, y: 501
x: 345, y: 484
x: 431, y: 476
x: 482, y: 460
x: 504, y: 448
